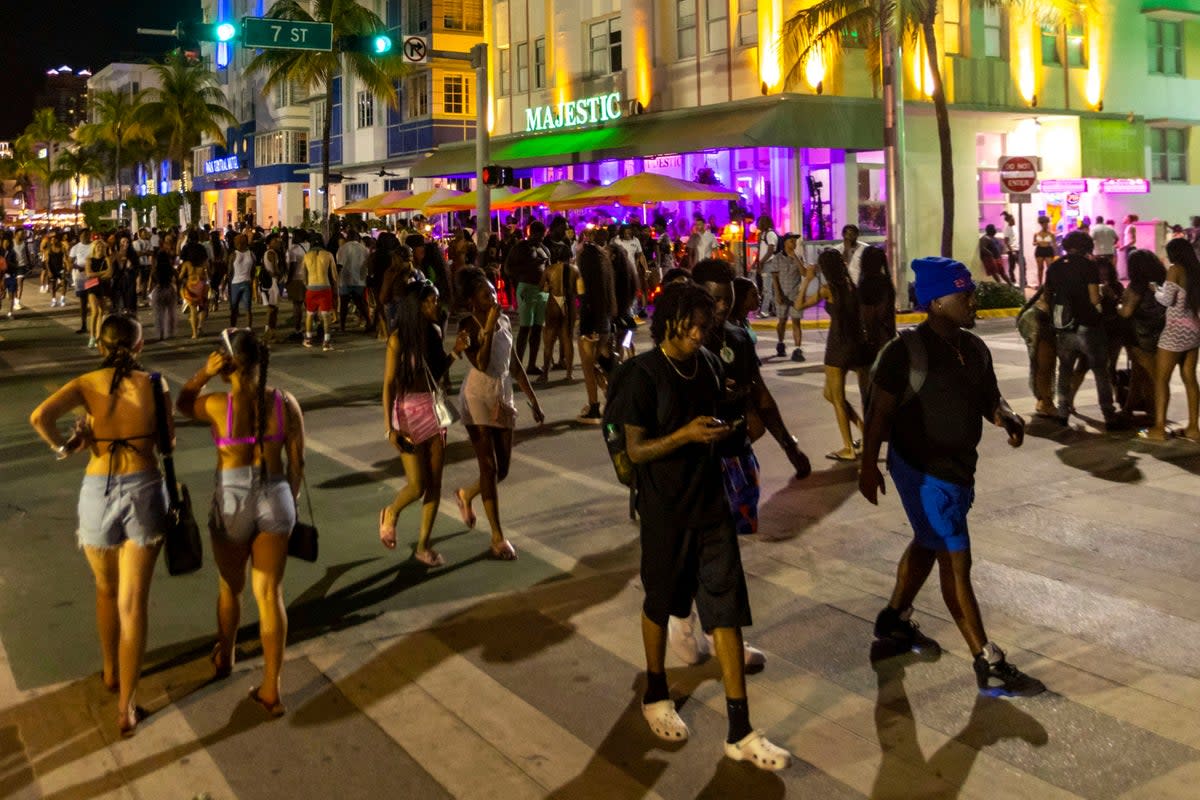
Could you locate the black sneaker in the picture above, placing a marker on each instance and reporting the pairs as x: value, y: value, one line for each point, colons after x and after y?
x: 781, y: 349
x: 797, y: 354
x: 892, y: 625
x: 998, y: 678
x: 591, y: 416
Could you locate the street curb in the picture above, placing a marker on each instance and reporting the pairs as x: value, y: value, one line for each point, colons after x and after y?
x: 911, y: 318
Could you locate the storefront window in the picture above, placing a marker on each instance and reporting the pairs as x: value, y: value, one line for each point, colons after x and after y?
x: 1166, y: 47
x: 718, y: 25
x: 539, y: 62
x: 685, y: 28
x: 523, y: 67
x: 747, y: 30
x: 1168, y: 154
x: 872, y: 194
x: 605, y: 46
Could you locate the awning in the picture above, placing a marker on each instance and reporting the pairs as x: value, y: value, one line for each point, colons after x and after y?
x: 786, y: 120
x: 1171, y: 10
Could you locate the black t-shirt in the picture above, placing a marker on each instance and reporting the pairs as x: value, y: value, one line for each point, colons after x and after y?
x: 742, y: 373
x: 938, y: 429
x: 1067, y: 282
x: 683, y: 488
x: 528, y: 261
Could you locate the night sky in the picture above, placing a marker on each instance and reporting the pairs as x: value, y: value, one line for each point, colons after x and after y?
x: 43, y: 34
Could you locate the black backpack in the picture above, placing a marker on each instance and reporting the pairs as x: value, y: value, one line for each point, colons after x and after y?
x: 266, y: 279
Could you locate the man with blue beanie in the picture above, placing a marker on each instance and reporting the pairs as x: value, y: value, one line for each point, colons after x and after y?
x: 931, y: 391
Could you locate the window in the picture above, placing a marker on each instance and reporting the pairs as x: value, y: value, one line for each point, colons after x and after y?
x: 539, y: 62
x: 747, y: 22
x: 523, y: 67
x: 1168, y: 154
x: 454, y: 94
x: 685, y: 28
x: 299, y: 147
x: 505, y: 71
x: 717, y: 28
x: 604, y: 46
x: 356, y: 191
x: 416, y: 96
x: 417, y: 21
x: 1166, y: 47
x: 1073, y: 35
x: 280, y: 147
x: 993, y: 32
x: 459, y: 15
x: 366, y: 109
x: 396, y: 185
x: 952, y: 27
x: 318, y: 120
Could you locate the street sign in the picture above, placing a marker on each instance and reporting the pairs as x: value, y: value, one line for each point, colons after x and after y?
x: 286, y: 34
x: 415, y: 50
x: 1020, y: 198
x: 1018, y: 174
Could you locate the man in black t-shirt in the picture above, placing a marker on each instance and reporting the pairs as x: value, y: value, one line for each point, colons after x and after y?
x: 1073, y: 292
x: 933, y: 388
x: 689, y: 548
x: 526, y: 262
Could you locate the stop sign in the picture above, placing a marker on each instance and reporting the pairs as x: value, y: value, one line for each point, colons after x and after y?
x: 1018, y: 174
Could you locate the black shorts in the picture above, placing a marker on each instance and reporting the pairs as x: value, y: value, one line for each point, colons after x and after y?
x: 1043, y: 252
x: 680, y: 565
x: 594, y: 325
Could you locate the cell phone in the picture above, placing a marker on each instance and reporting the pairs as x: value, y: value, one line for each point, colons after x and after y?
x: 225, y: 337
x: 627, y: 340
x: 717, y: 423
x: 737, y: 422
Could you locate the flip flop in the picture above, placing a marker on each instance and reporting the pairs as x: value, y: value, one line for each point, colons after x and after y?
x: 1144, y: 435
x: 665, y: 722
x: 387, y: 533
x: 220, y: 671
x: 505, y: 552
x: 836, y: 455
x: 464, y: 509
x: 275, y: 710
x: 429, y: 558
x: 128, y: 729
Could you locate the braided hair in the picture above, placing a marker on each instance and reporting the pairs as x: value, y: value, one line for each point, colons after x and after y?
x: 680, y: 306
x: 120, y: 336
x: 250, y: 352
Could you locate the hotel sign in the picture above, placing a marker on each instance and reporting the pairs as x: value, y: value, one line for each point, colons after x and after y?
x: 218, y: 165
x: 574, y: 113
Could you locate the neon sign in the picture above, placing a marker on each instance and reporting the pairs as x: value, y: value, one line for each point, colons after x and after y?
x: 1125, y: 186
x: 574, y: 113
x: 1063, y: 186
x: 227, y: 164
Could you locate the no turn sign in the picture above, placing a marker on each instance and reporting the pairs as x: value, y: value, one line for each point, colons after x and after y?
x: 1018, y: 174
x: 415, y: 50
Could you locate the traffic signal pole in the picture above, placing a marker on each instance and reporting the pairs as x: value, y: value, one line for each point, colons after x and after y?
x: 483, y: 192
x: 893, y: 148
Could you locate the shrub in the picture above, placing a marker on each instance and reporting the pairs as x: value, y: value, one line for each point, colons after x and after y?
x: 990, y: 294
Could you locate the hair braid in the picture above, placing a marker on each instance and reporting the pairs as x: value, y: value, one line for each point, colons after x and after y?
x: 123, y: 362
x: 260, y: 428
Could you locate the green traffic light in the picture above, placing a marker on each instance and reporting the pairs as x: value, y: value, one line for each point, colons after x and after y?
x: 226, y: 31
x: 381, y: 44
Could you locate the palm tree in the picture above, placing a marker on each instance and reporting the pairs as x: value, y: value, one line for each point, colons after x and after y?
x: 119, y: 125
x: 20, y: 169
x: 45, y: 130
x: 825, y: 26
x: 315, y: 70
x: 77, y: 164
x: 187, y: 106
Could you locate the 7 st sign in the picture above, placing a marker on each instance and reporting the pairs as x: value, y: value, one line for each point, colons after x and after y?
x: 286, y: 34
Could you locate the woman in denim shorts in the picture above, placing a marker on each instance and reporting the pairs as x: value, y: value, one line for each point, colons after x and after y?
x: 254, y: 502
x: 123, y: 502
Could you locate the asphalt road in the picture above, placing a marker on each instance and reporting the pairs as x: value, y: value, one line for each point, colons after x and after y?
x: 519, y: 679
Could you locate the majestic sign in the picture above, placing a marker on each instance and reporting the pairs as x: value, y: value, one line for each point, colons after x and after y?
x: 218, y: 165
x: 1018, y: 174
x: 574, y: 113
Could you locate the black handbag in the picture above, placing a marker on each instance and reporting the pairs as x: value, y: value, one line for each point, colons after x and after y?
x: 183, y: 549
x: 303, y: 543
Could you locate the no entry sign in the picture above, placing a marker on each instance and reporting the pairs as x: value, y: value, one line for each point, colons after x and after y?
x: 1018, y: 174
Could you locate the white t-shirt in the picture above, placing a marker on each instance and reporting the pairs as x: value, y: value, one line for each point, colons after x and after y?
x: 853, y: 260
x: 766, y: 241
x: 632, y: 248
x: 81, y: 254
x: 704, y: 242
x: 243, y: 267
x: 1105, y: 239
x: 145, y: 251
x: 1009, y: 235
x: 352, y: 258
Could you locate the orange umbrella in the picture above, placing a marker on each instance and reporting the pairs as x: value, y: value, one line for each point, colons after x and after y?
x: 648, y: 187
x: 419, y: 201
x: 501, y: 197
x: 373, y: 203
x: 550, y: 194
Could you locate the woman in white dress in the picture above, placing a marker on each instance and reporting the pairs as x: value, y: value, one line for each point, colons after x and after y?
x: 486, y: 401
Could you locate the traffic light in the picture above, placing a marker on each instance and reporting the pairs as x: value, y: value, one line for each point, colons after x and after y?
x: 497, y: 176
x: 206, y: 31
x: 376, y: 44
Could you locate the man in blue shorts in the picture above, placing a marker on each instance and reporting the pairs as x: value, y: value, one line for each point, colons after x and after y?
x: 933, y: 387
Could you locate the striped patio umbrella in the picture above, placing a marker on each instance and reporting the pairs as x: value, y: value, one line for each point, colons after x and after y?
x: 550, y: 194
x: 419, y: 201
x: 372, y: 204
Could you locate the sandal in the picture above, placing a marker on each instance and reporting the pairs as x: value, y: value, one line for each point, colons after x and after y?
x: 275, y: 710
x: 387, y: 533
x: 127, y: 724
x: 221, y: 669
x: 838, y: 455
x: 505, y: 552
x: 1144, y: 435
x: 429, y: 558
x: 759, y: 751
x: 464, y: 509
x: 665, y: 722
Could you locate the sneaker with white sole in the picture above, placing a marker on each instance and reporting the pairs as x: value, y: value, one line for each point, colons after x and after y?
x: 759, y: 751
x: 683, y: 641
x: 17, y: 305
x: 998, y: 678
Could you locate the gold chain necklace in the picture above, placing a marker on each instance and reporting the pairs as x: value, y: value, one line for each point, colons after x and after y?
x: 677, y: 370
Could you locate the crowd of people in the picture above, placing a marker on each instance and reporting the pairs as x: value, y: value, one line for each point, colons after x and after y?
x: 687, y: 414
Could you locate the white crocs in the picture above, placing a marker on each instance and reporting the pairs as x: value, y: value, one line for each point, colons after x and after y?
x: 665, y: 721
x: 759, y: 751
